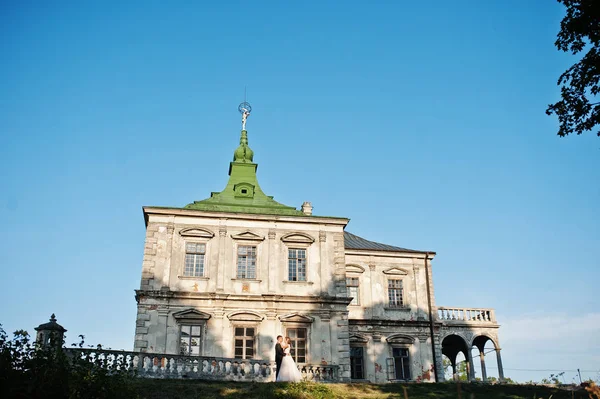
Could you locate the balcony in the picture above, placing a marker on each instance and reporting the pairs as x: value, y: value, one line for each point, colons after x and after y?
x: 466, y: 315
x: 155, y: 365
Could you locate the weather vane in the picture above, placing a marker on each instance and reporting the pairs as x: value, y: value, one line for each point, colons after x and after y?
x: 244, y: 108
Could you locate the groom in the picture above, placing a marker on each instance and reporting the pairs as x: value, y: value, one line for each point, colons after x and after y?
x: 278, y: 354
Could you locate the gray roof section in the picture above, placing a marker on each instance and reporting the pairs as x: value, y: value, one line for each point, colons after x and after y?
x: 352, y: 241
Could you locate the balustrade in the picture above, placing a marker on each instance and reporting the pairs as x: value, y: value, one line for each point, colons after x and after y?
x: 153, y: 365
x: 466, y: 315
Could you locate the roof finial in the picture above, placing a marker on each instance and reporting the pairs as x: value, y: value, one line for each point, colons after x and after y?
x: 244, y: 108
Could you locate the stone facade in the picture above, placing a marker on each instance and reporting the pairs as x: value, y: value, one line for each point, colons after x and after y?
x: 221, y: 278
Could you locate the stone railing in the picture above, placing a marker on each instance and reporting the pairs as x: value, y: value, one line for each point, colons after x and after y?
x: 154, y: 365
x: 461, y: 315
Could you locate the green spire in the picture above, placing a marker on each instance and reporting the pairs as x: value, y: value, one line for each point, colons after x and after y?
x: 243, y: 153
x: 242, y: 193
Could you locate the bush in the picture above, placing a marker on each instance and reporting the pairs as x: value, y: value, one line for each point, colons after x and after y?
x: 30, y: 371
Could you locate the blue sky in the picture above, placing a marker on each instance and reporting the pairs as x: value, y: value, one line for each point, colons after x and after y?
x: 423, y: 122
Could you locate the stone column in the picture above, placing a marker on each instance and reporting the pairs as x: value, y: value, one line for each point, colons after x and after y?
x: 343, y: 346
x: 470, y: 368
x: 325, y: 335
x: 163, y: 318
x: 217, y: 343
x: 272, y: 268
x: 454, y: 376
x: 221, y: 260
x: 373, y: 280
x: 166, y: 277
x: 267, y: 331
x: 500, y: 369
x: 418, y: 310
x: 483, y: 370
x: 323, y: 262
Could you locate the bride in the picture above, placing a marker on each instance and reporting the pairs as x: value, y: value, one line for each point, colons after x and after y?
x: 289, y: 371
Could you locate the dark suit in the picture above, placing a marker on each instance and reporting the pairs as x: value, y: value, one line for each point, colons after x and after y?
x: 278, y: 357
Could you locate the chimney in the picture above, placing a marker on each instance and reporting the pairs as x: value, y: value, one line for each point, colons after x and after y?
x: 307, y: 208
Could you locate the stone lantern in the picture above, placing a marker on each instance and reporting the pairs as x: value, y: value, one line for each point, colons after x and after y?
x: 50, y: 334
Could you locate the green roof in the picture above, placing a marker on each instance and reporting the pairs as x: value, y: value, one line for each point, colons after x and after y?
x: 242, y: 193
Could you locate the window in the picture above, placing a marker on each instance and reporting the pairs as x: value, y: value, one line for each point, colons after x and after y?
x: 395, y: 293
x: 298, y: 337
x: 246, y: 262
x: 401, y: 363
x: 194, y: 259
x: 296, y: 264
x: 244, y: 342
x: 190, y: 339
x: 352, y: 289
x: 357, y: 363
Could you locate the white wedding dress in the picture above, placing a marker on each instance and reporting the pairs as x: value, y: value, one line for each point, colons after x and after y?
x: 288, y: 371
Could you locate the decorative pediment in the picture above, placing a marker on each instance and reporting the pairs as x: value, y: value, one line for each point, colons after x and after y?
x: 358, y: 338
x: 196, y: 232
x: 245, y: 315
x: 296, y: 318
x: 354, y: 269
x: 247, y: 235
x: 190, y: 315
x: 400, y: 339
x: 396, y: 271
x: 298, y: 238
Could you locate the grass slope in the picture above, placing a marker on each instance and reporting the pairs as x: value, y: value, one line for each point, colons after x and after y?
x: 187, y: 389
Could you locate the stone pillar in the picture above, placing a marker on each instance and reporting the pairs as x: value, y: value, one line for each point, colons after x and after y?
x: 325, y: 335
x: 343, y: 346
x: 269, y: 329
x: 163, y: 317
x: 483, y: 370
x: 166, y: 277
x: 219, y: 340
x: 500, y: 369
x: 323, y: 273
x: 221, y: 261
x: 142, y: 327
x: 373, y: 278
x: 470, y: 368
x: 454, y: 376
x: 272, y: 269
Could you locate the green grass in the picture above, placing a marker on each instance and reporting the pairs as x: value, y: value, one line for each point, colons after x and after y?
x: 187, y: 389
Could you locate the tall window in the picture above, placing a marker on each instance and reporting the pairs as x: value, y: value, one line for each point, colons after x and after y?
x: 401, y: 363
x: 352, y: 287
x: 246, y: 261
x: 194, y: 259
x: 190, y: 339
x: 395, y: 293
x: 357, y: 362
x: 298, y: 337
x: 296, y: 264
x: 244, y: 342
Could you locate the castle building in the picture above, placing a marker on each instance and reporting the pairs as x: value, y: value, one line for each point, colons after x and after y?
x: 222, y: 277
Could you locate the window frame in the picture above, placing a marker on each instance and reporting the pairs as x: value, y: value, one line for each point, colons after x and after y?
x: 237, y: 254
x: 296, y: 247
x: 245, y: 326
x: 306, y: 341
x: 363, y: 348
x: 200, y: 337
x: 185, y: 255
x: 405, y: 362
x: 402, y: 304
x: 357, y: 297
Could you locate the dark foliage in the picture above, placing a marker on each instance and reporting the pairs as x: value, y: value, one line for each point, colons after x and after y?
x: 579, y: 109
x: 30, y: 371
